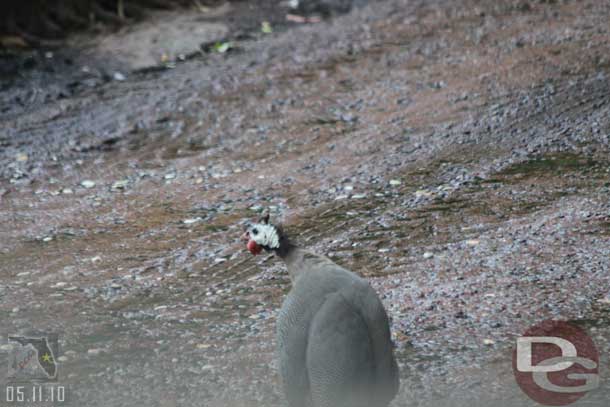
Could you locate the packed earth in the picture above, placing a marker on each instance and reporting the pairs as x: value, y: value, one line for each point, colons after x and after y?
x: 454, y: 152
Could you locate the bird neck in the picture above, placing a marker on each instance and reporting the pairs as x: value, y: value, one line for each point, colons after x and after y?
x: 286, y: 249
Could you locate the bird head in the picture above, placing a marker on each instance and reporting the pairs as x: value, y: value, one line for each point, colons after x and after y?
x: 262, y: 235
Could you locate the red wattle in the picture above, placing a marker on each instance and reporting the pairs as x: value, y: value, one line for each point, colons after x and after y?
x: 254, y: 248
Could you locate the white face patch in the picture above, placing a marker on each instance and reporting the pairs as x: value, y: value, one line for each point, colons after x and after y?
x: 264, y: 235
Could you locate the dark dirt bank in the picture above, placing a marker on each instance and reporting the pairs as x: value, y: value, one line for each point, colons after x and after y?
x: 454, y: 152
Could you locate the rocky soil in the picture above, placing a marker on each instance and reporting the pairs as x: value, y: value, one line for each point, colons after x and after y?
x: 456, y: 153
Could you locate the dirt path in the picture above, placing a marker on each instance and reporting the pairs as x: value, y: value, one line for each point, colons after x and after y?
x: 455, y: 152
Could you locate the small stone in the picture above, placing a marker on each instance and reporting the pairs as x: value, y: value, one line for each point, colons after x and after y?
x: 118, y: 76
x: 384, y: 250
x: 488, y: 342
x: 472, y: 242
x: 423, y: 193
x: 95, y: 351
x: 47, y: 238
x: 87, y: 184
x: 96, y: 259
x: 428, y: 255
x: 60, y: 284
x: 71, y: 288
x: 62, y: 359
x: 15, y: 310
x: 116, y: 286
x: 358, y: 196
x: 6, y: 347
x: 340, y: 197
x: 121, y: 184
x: 395, y: 182
x: 199, y: 180
x: 171, y: 175
x: 348, y: 188
x: 203, y: 346
x: 191, y: 221
x: 219, y: 260
x: 67, y: 191
x: 22, y: 157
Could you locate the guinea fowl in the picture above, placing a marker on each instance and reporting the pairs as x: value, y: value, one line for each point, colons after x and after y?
x: 333, y: 334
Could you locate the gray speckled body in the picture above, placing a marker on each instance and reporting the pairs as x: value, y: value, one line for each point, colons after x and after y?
x: 333, y: 338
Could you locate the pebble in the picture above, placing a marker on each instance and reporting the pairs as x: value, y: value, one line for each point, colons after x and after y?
x: 47, y: 238
x: 358, y: 196
x: 203, y: 346
x: 22, y: 157
x: 191, y: 221
x: 488, y: 342
x: 423, y: 193
x: 395, y: 182
x: 472, y: 242
x: 340, y: 197
x: 118, y: 76
x: 87, y: 184
x: 62, y: 359
x: 67, y: 191
x: 171, y: 175
x: 95, y: 351
x: 121, y: 184
x: 428, y: 255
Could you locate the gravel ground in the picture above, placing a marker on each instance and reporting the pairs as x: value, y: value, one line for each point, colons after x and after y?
x: 454, y: 152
